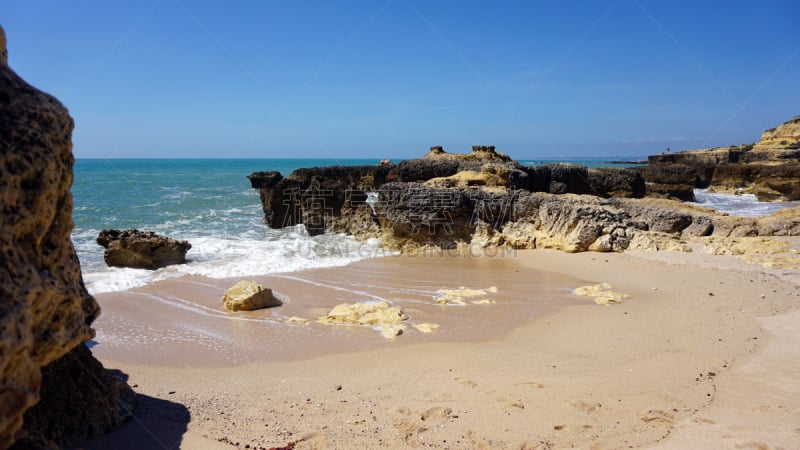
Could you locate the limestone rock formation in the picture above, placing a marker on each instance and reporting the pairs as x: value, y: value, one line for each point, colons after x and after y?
x: 770, y: 168
x: 483, y: 198
x: 312, y: 196
x: 614, y: 182
x: 141, y: 249
x: 389, y: 319
x: 248, y: 296
x: 319, y: 197
x: 45, y: 310
x: 90, y: 401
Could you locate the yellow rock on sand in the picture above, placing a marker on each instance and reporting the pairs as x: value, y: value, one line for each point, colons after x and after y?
x: 295, y: 319
x: 389, y: 318
x: 602, y: 293
x: 247, y: 296
x: 459, y: 296
x: 426, y: 327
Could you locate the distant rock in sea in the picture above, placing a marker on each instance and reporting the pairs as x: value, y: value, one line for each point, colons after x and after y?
x: 769, y: 169
x: 141, y: 249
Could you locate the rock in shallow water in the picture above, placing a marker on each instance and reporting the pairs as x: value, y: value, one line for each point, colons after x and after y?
x: 141, y: 249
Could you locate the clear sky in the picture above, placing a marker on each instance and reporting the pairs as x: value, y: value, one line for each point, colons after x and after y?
x: 390, y: 78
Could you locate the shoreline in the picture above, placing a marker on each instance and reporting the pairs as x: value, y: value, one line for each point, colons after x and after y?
x: 659, y: 365
x: 311, y: 294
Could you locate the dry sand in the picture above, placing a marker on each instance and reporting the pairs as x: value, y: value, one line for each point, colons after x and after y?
x: 704, y: 354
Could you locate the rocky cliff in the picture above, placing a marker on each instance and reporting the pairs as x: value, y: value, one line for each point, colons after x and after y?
x: 770, y: 168
x: 317, y: 197
x: 485, y: 199
x: 45, y: 310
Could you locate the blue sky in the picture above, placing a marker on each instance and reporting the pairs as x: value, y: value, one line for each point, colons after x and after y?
x: 381, y: 79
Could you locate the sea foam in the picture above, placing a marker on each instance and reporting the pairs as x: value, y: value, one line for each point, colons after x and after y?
x: 742, y: 205
x: 218, y: 257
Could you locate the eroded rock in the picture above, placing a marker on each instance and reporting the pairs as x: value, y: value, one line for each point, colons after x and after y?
x: 141, y: 249
x: 249, y: 296
x: 381, y: 315
x: 45, y: 310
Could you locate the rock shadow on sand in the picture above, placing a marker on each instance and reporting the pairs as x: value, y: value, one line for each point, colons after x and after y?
x: 156, y: 424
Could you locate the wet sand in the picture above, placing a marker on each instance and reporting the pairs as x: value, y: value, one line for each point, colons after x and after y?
x: 181, y: 323
x: 701, y: 354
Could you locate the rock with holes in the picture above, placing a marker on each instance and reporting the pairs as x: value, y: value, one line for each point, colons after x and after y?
x: 45, y: 310
x: 141, y: 249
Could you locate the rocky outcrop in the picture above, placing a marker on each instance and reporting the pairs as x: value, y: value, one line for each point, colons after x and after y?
x: 311, y: 196
x: 141, y: 249
x: 614, y: 182
x: 414, y: 215
x: 45, y: 310
x: 90, y: 401
x: 248, y: 296
x: 483, y: 198
x: 769, y: 182
x: 557, y: 179
x: 770, y: 168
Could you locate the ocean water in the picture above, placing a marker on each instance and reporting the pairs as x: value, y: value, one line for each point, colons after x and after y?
x: 210, y: 203
x: 742, y: 205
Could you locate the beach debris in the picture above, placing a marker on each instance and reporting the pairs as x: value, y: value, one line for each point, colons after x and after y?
x: 459, y: 296
x: 247, y: 296
x: 426, y: 327
x: 603, y: 293
x: 300, y: 320
x: 381, y: 315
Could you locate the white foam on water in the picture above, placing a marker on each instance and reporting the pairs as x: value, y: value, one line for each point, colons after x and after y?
x: 742, y: 205
x: 248, y: 255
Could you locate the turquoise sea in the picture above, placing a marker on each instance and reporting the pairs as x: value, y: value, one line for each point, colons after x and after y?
x: 210, y: 203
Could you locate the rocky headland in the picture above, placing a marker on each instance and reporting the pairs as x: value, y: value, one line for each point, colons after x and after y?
x: 484, y: 199
x: 769, y: 168
x: 45, y: 312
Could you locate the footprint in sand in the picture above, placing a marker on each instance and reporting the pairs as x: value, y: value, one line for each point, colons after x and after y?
x: 656, y: 415
x: 468, y: 383
x: 704, y: 421
x: 530, y: 383
x: 567, y: 427
x: 515, y: 405
x: 409, y: 430
x: 478, y: 442
x: 437, y: 413
x: 586, y: 407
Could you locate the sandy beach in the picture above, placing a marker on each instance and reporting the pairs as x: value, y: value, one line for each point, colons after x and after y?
x: 702, y: 354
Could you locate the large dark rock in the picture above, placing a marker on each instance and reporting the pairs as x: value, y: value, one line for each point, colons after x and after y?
x: 45, y: 310
x: 417, y: 214
x: 615, y: 182
x: 141, y: 249
x: 424, y: 169
x: 676, y: 181
x: 312, y: 196
x: 770, y: 168
x: 557, y: 179
x: 79, y: 399
x: 767, y: 181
